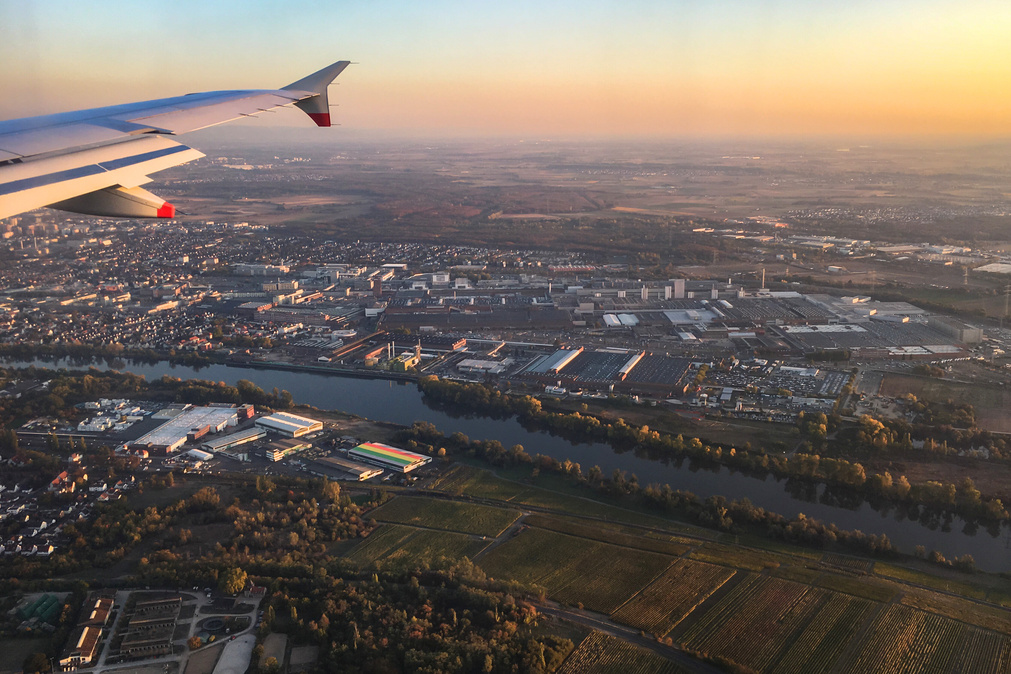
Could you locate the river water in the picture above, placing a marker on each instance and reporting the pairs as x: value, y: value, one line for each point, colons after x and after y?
x: 402, y: 403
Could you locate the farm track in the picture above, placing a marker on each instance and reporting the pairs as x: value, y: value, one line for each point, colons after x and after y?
x: 602, y: 623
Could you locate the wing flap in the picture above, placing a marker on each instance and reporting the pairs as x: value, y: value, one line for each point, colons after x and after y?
x: 119, y: 202
x: 42, y: 182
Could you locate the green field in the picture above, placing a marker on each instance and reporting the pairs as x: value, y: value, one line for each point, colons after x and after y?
x: 608, y: 533
x: 550, y: 492
x: 868, y: 588
x: 467, y: 518
x: 575, y: 570
x: 604, y: 654
x: 998, y: 595
x: 392, y: 543
x: 743, y: 558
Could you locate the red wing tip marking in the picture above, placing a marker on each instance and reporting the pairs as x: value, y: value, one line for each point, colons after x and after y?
x: 167, y: 210
x: 321, y: 118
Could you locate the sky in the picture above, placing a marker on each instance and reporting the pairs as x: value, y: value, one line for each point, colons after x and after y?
x: 669, y: 68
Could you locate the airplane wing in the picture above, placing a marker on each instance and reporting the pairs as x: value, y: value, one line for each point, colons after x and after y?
x: 94, y: 161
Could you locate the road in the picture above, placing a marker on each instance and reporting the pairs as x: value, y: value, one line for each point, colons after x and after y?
x: 602, y: 623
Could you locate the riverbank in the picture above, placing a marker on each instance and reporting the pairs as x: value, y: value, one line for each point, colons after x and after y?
x: 399, y: 402
x: 323, y: 369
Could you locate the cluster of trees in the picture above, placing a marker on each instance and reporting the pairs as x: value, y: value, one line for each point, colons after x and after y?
x: 965, y: 563
x: 939, y: 430
x: 426, y: 620
x: 274, y: 527
x: 807, y: 467
x: 198, y: 391
x: 113, y: 354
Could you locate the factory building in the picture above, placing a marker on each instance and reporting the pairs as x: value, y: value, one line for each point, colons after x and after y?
x: 277, y: 450
x: 390, y: 458
x: 185, y: 423
x: 330, y: 465
x: 232, y: 440
x: 291, y: 425
x: 956, y: 329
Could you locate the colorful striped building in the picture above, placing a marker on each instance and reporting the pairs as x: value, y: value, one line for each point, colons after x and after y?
x: 390, y: 458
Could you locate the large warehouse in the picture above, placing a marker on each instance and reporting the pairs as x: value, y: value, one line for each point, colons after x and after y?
x: 391, y: 458
x: 183, y: 422
x: 330, y: 465
x: 288, y: 424
x: 231, y: 440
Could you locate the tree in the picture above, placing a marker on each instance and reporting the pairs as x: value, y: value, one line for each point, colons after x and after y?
x: 36, y: 662
x: 8, y: 442
x: 331, y: 490
x: 194, y: 643
x: 232, y: 581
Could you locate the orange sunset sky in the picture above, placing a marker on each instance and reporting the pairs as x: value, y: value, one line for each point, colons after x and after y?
x: 639, y: 67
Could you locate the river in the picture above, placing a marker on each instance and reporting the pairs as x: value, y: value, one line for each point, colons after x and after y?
x: 402, y: 403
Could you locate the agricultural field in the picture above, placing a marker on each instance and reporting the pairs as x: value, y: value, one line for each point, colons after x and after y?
x: 771, y: 611
x: 904, y: 639
x: 669, y: 545
x: 751, y: 624
x: 966, y: 589
x: 667, y: 600
x: 464, y: 479
x: 819, y: 645
x: 603, y: 654
x: 392, y: 543
x: 575, y: 570
x: 551, y: 492
x: 959, y: 609
x: 742, y: 558
x: 854, y: 564
x: 467, y: 518
x: 867, y: 588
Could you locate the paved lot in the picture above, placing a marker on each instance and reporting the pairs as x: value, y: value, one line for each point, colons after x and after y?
x: 236, y: 656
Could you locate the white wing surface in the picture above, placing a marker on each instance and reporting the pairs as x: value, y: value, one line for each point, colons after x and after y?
x: 93, y: 161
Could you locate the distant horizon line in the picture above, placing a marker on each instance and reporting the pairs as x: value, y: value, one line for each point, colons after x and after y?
x: 847, y: 142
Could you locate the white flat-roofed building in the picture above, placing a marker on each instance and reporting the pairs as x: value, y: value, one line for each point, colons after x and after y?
x: 474, y: 365
x: 200, y: 455
x: 231, y: 440
x: 171, y: 435
x: 292, y: 425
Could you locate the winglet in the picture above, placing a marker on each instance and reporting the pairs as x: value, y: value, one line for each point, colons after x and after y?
x: 318, y: 105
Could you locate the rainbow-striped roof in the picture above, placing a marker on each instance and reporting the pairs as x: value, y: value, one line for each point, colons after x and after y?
x: 399, y: 457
